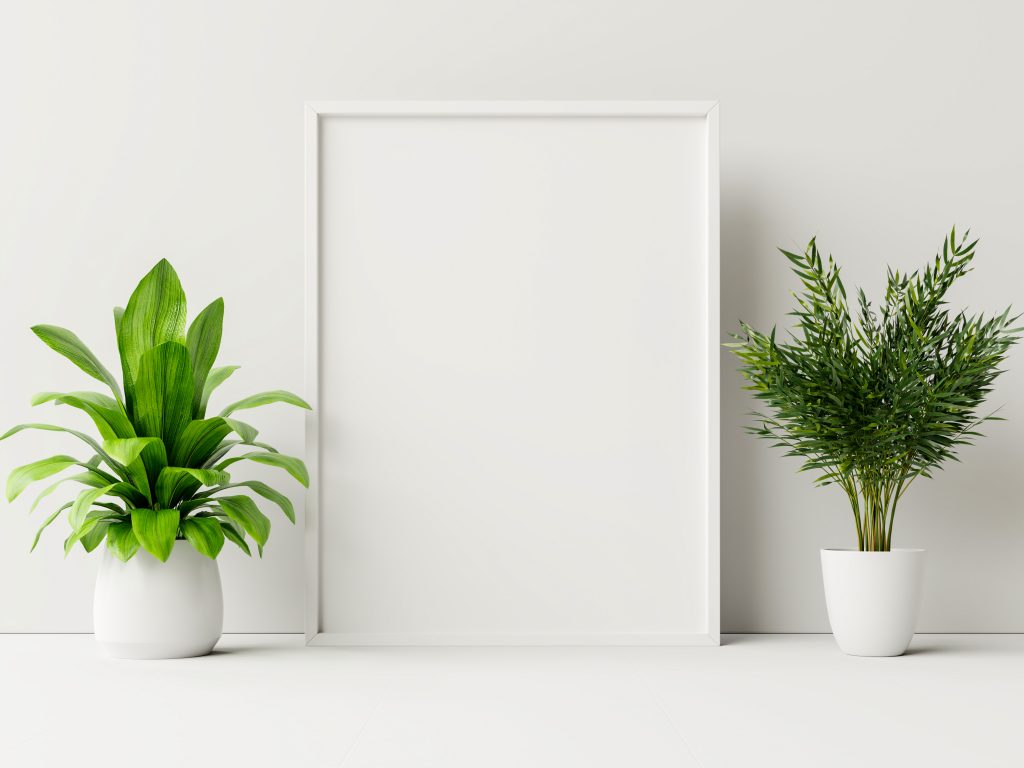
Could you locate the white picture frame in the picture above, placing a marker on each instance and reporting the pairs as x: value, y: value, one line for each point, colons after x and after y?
x: 681, y: 617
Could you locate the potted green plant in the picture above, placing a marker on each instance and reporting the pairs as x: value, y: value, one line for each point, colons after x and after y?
x: 870, y: 399
x: 157, y: 490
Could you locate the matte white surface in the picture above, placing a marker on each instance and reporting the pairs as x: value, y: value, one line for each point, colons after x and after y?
x: 133, y: 130
x: 513, y: 373
x: 768, y: 701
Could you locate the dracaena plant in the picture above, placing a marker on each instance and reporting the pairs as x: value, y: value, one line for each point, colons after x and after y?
x: 872, y: 398
x: 158, y: 470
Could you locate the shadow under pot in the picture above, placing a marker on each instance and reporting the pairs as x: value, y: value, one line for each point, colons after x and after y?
x: 872, y: 598
x: 145, y: 609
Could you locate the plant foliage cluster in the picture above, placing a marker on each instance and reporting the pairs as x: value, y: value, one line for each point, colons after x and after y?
x: 158, y: 471
x: 871, y: 398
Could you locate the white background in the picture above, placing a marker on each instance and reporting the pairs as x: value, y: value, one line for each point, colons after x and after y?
x: 131, y: 131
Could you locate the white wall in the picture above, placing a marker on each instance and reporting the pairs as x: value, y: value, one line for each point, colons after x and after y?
x: 131, y: 131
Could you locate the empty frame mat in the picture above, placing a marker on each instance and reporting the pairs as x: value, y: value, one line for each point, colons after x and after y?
x: 513, y: 336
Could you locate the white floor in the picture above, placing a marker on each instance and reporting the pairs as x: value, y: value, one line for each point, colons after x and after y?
x: 761, y: 700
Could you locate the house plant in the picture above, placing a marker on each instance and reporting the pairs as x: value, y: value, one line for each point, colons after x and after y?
x: 870, y: 399
x: 157, y: 491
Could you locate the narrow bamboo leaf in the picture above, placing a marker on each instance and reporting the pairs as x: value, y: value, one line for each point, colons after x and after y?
x: 217, y: 377
x: 295, y: 467
x: 233, y: 535
x: 156, y: 530
x: 21, y: 477
x: 64, y: 342
x: 174, y: 482
x: 155, y: 314
x: 198, y: 441
x: 243, y: 510
x: 46, y: 525
x: 127, y: 450
x: 203, y: 344
x: 266, y: 398
x: 121, y: 540
x: 205, y: 534
x: 163, y: 393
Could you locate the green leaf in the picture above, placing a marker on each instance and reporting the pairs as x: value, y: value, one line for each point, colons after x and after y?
x: 155, y: 314
x: 156, y: 530
x: 233, y: 535
x: 91, y: 479
x: 96, y: 518
x: 245, y: 431
x: 163, y: 393
x: 295, y: 467
x: 203, y: 344
x: 64, y: 342
x: 21, y: 477
x: 205, y: 534
x: 80, y: 509
x: 81, y: 436
x: 217, y: 377
x: 106, y: 413
x: 198, y: 442
x: 263, y: 490
x: 243, y: 510
x: 176, y: 481
x: 95, y: 535
x: 122, y: 541
x: 128, y: 450
x: 46, y: 525
x: 266, y: 398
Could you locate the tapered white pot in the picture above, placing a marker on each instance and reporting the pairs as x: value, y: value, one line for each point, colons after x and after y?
x: 872, y: 598
x: 145, y: 609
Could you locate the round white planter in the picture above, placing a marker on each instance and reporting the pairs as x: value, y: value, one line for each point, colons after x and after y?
x: 145, y: 609
x: 872, y: 598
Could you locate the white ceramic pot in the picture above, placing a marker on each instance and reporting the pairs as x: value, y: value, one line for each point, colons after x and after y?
x: 872, y: 598
x: 145, y: 609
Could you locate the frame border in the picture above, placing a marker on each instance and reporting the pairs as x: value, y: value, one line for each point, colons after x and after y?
x: 318, y: 109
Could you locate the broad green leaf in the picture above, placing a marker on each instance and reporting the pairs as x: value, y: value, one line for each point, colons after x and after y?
x: 163, y: 393
x: 198, y: 441
x: 121, y: 540
x: 129, y: 449
x: 46, y: 525
x: 265, y: 398
x: 233, y: 535
x: 80, y: 509
x: 295, y: 467
x: 81, y: 436
x: 243, y: 510
x: 89, y: 478
x: 205, y: 534
x: 217, y: 377
x: 156, y: 530
x: 245, y: 431
x: 73, y: 348
x: 106, y: 413
x: 95, y: 536
x: 155, y: 314
x: 203, y: 344
x: 95, y: 518
x: 21, y: 477
x: 262, y: 489
x: 174, y: 482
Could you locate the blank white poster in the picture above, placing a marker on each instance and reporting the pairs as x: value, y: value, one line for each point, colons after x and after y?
x: 513, y: 378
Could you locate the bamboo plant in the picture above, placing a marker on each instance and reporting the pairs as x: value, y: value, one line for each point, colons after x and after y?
x: 157, y: 473
x: 872, y: 398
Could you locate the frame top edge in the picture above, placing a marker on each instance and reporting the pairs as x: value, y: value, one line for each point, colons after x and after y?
x: 538, y: 108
